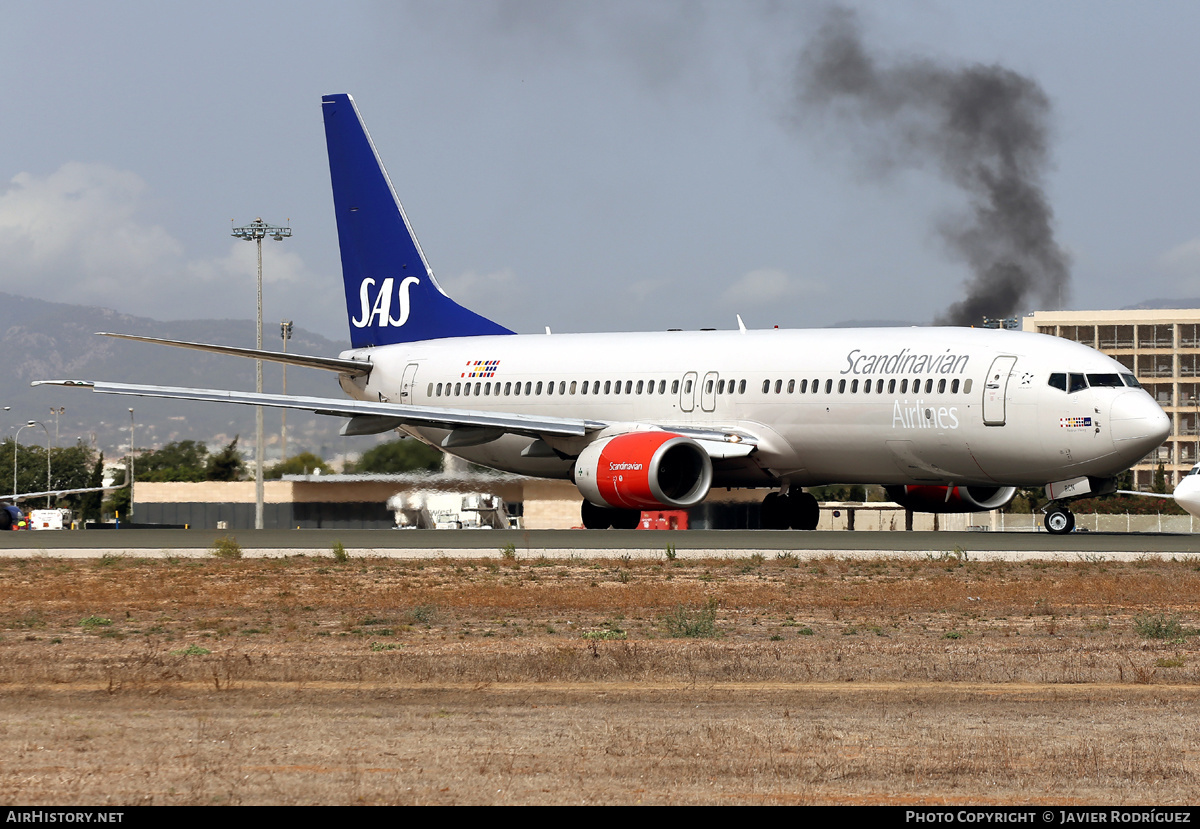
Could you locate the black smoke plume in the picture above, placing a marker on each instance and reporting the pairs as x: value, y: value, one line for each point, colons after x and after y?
x: 983, y: 128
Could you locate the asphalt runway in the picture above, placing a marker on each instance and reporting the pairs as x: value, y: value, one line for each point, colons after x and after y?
x: 690, y: 544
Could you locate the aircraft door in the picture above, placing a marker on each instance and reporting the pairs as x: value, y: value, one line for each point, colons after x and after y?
x: 995, y: 389
x: 406, y: 384
x: 708, y: 392
x: 687, y: 392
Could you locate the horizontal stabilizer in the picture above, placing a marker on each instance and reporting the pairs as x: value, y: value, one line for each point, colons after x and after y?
x: 355, y: 368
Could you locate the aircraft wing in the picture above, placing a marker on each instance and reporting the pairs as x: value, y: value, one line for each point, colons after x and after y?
x: 58, y: 493
x: 396, y: 414
x: 367, y: 417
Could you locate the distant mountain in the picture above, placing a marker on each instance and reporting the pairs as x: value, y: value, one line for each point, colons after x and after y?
x: 43, y: 340
x: 1155, y: 304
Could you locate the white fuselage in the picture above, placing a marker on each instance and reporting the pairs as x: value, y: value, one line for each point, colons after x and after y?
x: 882, y: 406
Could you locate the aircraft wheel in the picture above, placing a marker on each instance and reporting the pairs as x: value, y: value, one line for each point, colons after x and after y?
x: 773, y: 514
x: 804, y: 510
x: 1059, y: 521
x: 601, y: 518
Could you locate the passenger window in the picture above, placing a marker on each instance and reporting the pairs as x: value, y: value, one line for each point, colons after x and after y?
x: 1076, y: 382
x: 929, y: 386
x: 778, y: 386
x: 766, y: 386
x: 741, y: 387
x: 487, y: 388
x: 674, y: 387
x: 528, y: 386
x: 628, y: 386
x: 721, y: 387
x: 708, y: 386
x: 803, y: 386
x: 891, y: 386
x: 508, y: 388
x: 1058, y: 380
x: 608, y: 386
x: 966, y: 386
x: 791, y: 386
x: 662, y: 386
x: 841, y: 386
x: 904, y: 386
x: 583, y: 389
x: 954, y: 387
x: 853, y: 386
x: 687, y: 387
x: 866, y: 386
x: 573, y: 386
x: 617, y: 387
x: 942, y: 386
x: 642, y: 383
x: 550, y: 387
x: 457, y: 389
x: 538, y: 390
x: 439, y: 389
x: 829, y: 386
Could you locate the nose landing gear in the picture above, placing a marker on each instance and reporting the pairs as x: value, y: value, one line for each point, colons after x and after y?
x: 1059, y: 520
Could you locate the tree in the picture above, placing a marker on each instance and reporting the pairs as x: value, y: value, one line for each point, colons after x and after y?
x: 226, y: 465
x: 184, y: 460
x: 90, y: 503
x: 1160, y: 480
x: 303, y: 464
x: 402, y: 455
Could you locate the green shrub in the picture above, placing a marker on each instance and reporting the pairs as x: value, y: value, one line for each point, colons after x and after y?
x: 226, y: 547
x: 700, y: 623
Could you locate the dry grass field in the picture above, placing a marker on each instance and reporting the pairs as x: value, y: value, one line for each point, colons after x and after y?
x: 518, y: 680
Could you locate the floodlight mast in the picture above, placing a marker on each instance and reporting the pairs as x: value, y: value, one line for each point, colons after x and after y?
x: 255, y: 232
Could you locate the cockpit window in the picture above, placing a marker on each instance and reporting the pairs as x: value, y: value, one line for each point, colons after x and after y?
x: 1107, y: 380
x: 1077, y: 383
x: 1058, y: 380
x: 1131, y: 381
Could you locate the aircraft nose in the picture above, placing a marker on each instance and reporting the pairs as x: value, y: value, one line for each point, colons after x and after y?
x: 1187, y: 494
x: 1137, y: 424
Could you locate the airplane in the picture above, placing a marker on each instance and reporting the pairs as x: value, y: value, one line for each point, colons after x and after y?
x: 1186, y: 492
x: 947, y: 419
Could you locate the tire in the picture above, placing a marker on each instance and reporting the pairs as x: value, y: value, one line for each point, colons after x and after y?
x: 803, y: 511
x: 1059, y: 521
x: 601, y: 518
x: 773, y: 514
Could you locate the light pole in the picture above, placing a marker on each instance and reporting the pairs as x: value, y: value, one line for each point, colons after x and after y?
x: 17, y: 442
x: 129, y: 515
x: 254, y: 232
x: 56, y: 412
x: 285, y: 331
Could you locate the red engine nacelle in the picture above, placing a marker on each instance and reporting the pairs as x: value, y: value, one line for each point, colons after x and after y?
x: 644, y: 469
x: 961, y: 498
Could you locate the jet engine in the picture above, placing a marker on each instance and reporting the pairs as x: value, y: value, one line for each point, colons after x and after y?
x: 960, y: 499
x: 644, y: 469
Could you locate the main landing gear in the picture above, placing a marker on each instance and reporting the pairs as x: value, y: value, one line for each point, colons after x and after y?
x: 796, y: 510
x: 1059, y: 520
x: 601, y: 518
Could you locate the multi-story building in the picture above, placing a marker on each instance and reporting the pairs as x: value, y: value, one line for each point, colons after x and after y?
x: 1162, y: 348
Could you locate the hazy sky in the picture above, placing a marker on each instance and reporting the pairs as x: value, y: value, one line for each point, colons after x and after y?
x: 587, y: 166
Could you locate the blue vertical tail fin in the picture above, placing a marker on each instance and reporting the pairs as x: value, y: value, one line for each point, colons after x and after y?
x: 391, y: 293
